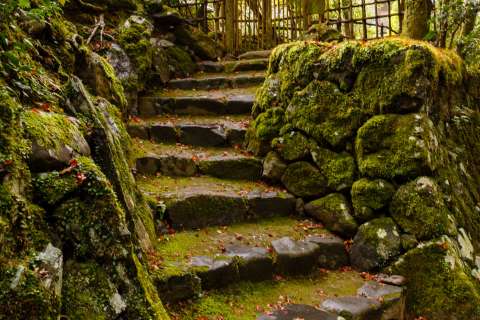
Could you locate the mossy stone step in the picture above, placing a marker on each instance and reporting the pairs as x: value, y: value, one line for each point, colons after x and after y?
x: 196, y: 105
x: 191, y: 162
x: 217, y: 80
x: 198, y: 202
x: 234, y: 66
x: 258, y: 54
x: 194, y: 131
x: 219, y: 257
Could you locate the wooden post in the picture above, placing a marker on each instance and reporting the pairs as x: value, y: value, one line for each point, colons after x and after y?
x: 267, y: 24
x: 230, y: 25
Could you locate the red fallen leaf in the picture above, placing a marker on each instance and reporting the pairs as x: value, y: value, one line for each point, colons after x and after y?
x: 80, y: 177
x: 171, y: 230
x: 45, y: 107
x: 259, y: 308
x: 35, y: 110
x: 7, y: 162
x: 367, y: 276
x: 346, y: 269
x: 72, y: 165
x: 238, y: 236
x: 135, y: 119
x: 348, y: 244
x: 195, y: 158
x: 277, y: 277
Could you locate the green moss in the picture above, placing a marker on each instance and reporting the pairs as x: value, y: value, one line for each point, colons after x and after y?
x: 324, y: 113
x: 116, y: 86
x: 264, y: 129
x: 439, y: 283
x: 51, y: 188
x: 394, y: 146
x: 304, y: 180
x: 419, y: 208
x: 180, y: 61
x: 334, y: 211
x: 370, y: 196
x: 61, y: 129
x: 247, y: 300
x: 338, y: 168
x: 292, y: 146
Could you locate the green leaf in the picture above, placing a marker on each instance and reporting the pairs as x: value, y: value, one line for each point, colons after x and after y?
x: 24, y: 4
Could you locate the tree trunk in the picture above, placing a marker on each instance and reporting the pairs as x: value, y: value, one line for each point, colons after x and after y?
x: 472, y: 9
x: 417, y: 18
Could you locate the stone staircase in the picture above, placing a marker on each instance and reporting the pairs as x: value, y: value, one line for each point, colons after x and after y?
x: 226, y: 226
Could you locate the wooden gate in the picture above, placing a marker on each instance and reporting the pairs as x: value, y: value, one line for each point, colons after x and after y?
x: 243, y: 25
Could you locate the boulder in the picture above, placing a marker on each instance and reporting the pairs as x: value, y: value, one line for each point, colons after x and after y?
x: 331, y: 251
x: 376, y: 243
x: 304, y: 180
x: 419, y: 209
x: 335, y: 213
x: 338, y: 168
x: 395, y: 146
x: 370, y: 196
x: 200, y: 43
x: 292, y: 146
x: 294, y: 257
x: 273, y: 167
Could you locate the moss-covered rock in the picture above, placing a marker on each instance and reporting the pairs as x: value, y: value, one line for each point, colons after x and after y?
x: 335, y: 213
x: 263, y: 129
x: 52, y: 187
x: 395, y: 146
x: 325, y: 113
x: 304, y: 180
x: 370, y: 196
x: 376, y: 243
x: 440, y: 285
x: 339, y: 168
x: 201, y: 44
x: 292, y: 146
x: 419, y: 208
x: 273, y: 167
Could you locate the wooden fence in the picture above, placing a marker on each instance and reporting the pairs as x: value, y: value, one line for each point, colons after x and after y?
x: 243, y: 25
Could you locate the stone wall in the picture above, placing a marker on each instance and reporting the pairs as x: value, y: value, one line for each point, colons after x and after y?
x: 380, y: 141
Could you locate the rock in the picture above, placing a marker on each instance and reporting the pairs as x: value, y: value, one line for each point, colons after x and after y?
x: 203, y: 46
x: 408, y: 241
x: 377, y: 242
x: 174, y: 288
x: 331, y: 252
x: 254, y: 263
x: 394, y: 146
x: 203, y: 135
x: 263, y: 129
x: 294, y: 257
x: 338, y: 168
x: 419, y: 209
x: 200, y: 210
x: 354, y: 308
x: 139, y: 131
x: 376, y: 290
x: 117, y: 303
x: 269, y: 204
x: 51, y: 188
x: 50, y: 265
x: 180, y: 166
x: 215, y: 273
x: 335, y: 213
x: 235, y: 135
x: 273, y: 167
x: 167, y: 17
x: 232, y: 167
x: 121, y: 63
x: 323, y: 32
x: 164, y: 133
x: 299, y: 311
x: 304, y: 180
x: 292, y: 146
x: 63, y: 143
x: 439, y: 283
x: 370, y: 196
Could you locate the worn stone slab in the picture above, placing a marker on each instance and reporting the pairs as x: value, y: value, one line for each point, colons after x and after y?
x: 374, y: 289
x: 257, y: 64
x: 202, y: 135
x: 270, y: 203
x: 294, y: 257
x: 232, y: 167
x: 178, y: 287
x: 240, y: 104
x: 331, y: 251
x: 299, y: 311
x: 254, y: 263
x: 235, y: 135
x: 215, y: 272
x: 201, y: 210
x: 164, y: 133
x: 395, y: 280
x: 354, y: 308
x: 169, y: 165
x: 255, y: 54
x: 213, y: 81
x: 140, y: 131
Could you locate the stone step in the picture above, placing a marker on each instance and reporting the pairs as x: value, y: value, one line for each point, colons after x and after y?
x: 198, y: 102
x: 197, y: 202
x: 255, y: 54
x: 214, y: 258
x: 234, y: 66
x: 187, y: 161
x: 203, y: 131
x: 207, y: 81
